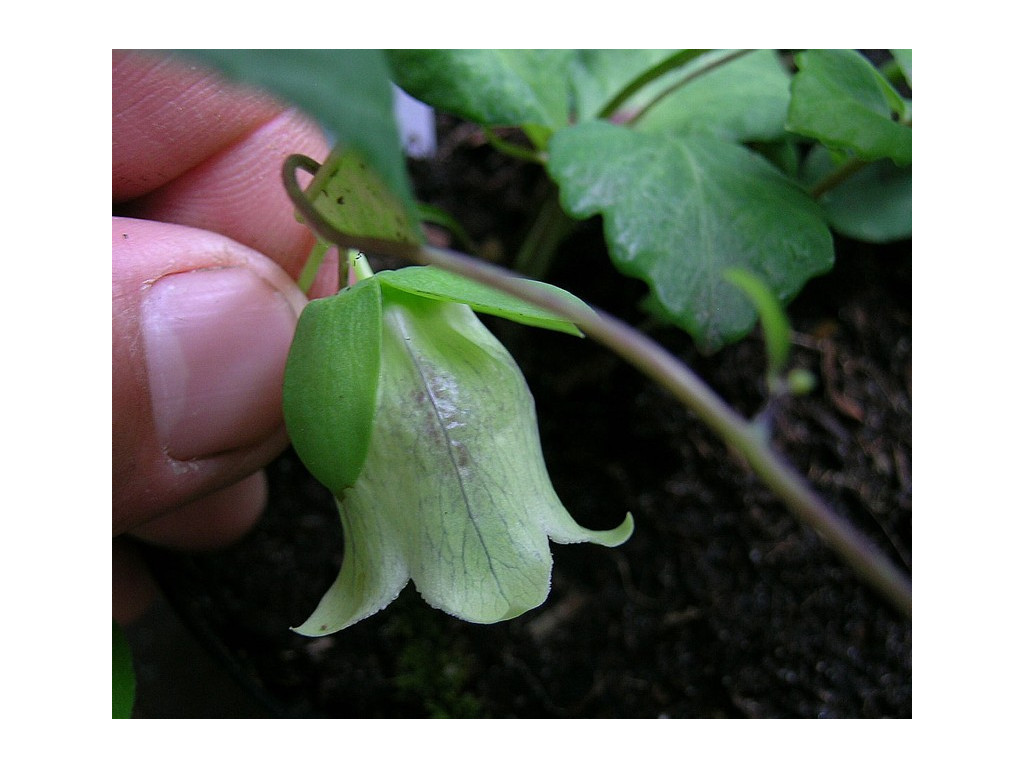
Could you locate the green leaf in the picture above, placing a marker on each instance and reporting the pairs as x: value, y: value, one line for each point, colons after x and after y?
x: 330, y: 383
x: 348, y: 194
x: 490, y: 87
x: 679, y: 211
x: 742, y: 100
x: 840, y: 99
x: 599, y: 75
x: 785, y: 154
x: 903, y: 57
x: 454, y: 493
x: 874, y: 205
x: 442, y: 285
x: 124, y: 676
x: 348, y: 91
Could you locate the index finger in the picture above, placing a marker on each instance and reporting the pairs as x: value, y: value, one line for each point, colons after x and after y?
x: 190, y: 148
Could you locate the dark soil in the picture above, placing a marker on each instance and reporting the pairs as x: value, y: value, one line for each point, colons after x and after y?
x: 720, y: 605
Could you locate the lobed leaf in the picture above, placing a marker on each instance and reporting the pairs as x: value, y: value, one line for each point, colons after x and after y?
x: 874, y: 205
x: 490, y: 87
x: 678, y: 211
x: 742, y: 100
x: 597, y: 76
x: 840, y: 99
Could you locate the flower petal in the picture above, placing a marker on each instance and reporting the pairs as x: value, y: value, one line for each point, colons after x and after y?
x: 453, y: 492
x: 373, y: 571
x: 470, y: 490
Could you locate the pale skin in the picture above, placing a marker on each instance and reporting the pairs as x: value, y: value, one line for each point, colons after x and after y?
x: 196, y: 191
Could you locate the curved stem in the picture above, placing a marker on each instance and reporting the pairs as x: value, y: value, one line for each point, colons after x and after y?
x: 359, y: 266
x: 674, y: 61
x: 512, y: 150
x: 549, y: 228
x: 842, y: 173
x: 666, y: 369
x: 312, y: 265
x: 661, y: 366
x: 702, y: 70
x: 837, y: 177
x: 430, y: 214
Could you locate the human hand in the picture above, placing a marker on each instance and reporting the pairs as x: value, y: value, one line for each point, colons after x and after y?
x: 205, y: 252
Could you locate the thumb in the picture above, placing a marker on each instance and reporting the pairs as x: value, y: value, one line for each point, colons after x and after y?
x: 201, y: 330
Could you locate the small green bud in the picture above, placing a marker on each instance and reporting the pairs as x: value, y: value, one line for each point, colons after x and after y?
x: 800, y: 381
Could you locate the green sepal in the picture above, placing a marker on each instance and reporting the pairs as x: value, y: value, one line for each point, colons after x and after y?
x: 330, y: 383
x: 441, y: 285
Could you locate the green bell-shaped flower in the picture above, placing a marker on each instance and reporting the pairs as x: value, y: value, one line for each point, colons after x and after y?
x: 450, y: 488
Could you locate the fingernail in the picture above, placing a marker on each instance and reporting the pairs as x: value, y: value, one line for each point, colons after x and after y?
x: 215, y: 343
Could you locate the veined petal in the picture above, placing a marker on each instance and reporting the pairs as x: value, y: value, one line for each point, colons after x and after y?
x: 471, y: 490
x: 373, y: 571
x: 455, y: 417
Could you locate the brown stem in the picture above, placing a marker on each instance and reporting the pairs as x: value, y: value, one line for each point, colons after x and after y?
x: 837, y: 177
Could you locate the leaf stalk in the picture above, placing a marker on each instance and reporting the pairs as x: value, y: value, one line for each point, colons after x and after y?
x: 746, y: 438
x: 700, y: 71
